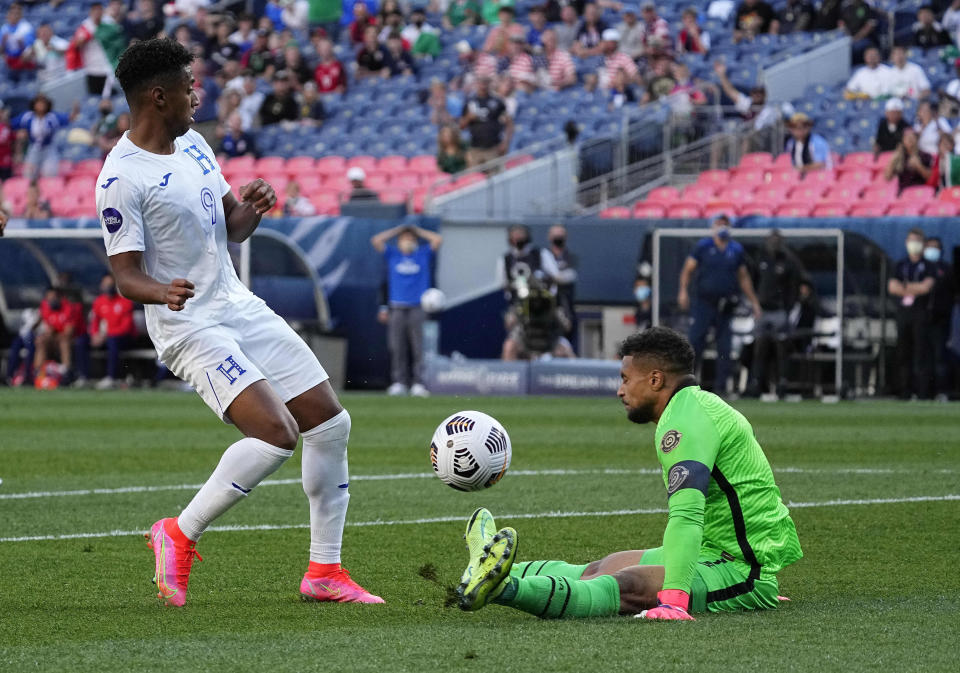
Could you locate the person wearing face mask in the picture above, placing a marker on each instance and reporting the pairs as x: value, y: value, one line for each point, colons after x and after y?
x: 911, y: 284
x: 111, y: 326
x: 643, y: 294
x: 566, y: 276
x: 409, y: 263
x: 720, y: 266
x: 941, y: 301
x: 778, y: 284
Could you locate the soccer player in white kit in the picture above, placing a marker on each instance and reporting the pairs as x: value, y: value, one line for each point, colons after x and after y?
x: 167, y: 214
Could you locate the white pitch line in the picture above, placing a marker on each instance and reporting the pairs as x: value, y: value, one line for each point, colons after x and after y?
x: 448, y: 519
x: 26, y: 495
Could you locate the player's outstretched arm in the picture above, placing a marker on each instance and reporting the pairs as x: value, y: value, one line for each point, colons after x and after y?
x: 137, y: 286
x: 243, y: 216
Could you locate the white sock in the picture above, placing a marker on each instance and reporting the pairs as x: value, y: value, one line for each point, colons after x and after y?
x: 325, y: 481
x: 243, y: 465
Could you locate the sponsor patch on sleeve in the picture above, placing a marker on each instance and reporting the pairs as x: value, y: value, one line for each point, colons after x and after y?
x: 670, y: 440
x: 112, y: 219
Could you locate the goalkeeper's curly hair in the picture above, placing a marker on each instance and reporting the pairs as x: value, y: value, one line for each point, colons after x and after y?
x: 150, y: 62
x: 667, y: 346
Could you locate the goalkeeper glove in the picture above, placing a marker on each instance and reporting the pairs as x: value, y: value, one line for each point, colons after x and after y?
x: 672, y: 604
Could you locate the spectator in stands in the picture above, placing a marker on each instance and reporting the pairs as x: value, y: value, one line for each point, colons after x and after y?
x: 491, y: 128
x: 372, y: 57
x: 47, y: 53
x: 293, y: 62
x: 643, y: 311
x: 295, y: 204
x: 280, y: 105
x: 615, y: 60
x: 721, y: 275
x: 36, y: 207
x: 38, y: 128
x: 538, y: 23
x: 295, y: 14
x: 399, y: 61
x: 111, y: 326
x: 111, y: 33
x: 891, y: 127
x: 872, y: 80
x: 16, y: 36
x: 87, y: 54
x: 941, y: 303
x: 417, y: 28
x: 145, y: 23
x: 444, y: 107
x: 809, y: 151
x: 461, y: 12
x: 312, y: 110
x: 692, y: 38
x: 111, y: 135
x: 660, y: 81
x: 393, y: 23
x: 909, y: 164
x: 258, y: 58
x: 590, y: 33
x: 911, y: 285
x: 907, y: 80
x: 632, y: 32
x: 686, y: 94
x: 358, y: 192
x: 797, y: 16
x: 568, y: 28
x: 929, y: 126
x: 409, y: 265
x: 945, y: 169
x: 497, y: 42
x: 951, y: 21
x: 927, y: 32
x: 859, y: 21
x: 754, y: 17
x: 621, y: 91
x: 387, y: 8
x: 362, y: 20
x: 7, y: 147
x: 560, y: 71
x: 752, y: 108
x: 521, y: 69
x: 474, y: 65
x: 221, y: 48
x: 329, y: 73
x: 656, y: 30
x: 244, y: 34
x: 451, y: 150
x: 236, y: 142
x: 504, y: 88
x: 208, y: 91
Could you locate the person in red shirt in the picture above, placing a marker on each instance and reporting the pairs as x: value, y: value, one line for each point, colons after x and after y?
x: 57, y: 326
x: 361, y: 19
x: 329, y: 74
x: 111, y: 325
x: 7, y: 138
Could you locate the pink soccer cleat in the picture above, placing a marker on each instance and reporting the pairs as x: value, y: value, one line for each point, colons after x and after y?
x: 173, y: 562
x: 337, y: 586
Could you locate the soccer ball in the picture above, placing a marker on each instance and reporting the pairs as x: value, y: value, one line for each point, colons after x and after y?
x: 432, y: 300
x: 470, y: 451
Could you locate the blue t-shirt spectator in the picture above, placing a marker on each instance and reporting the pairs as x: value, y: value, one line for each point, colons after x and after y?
x: 717, y: 269
x: 815, y: 150
x: 41, y: 130
x: 408, y: 276
x: 16, y: 38
x: 373, y: 6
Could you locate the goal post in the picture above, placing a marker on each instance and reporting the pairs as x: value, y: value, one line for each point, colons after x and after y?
x: 820, y: 250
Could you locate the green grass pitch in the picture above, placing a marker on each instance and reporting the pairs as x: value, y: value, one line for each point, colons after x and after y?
x: 875, y: 488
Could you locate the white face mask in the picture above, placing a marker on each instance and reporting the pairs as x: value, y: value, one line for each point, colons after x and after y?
x: 914, y: 247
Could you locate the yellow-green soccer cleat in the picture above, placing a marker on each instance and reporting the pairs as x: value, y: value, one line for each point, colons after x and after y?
x: 484, y: 578
x: 480, y: 531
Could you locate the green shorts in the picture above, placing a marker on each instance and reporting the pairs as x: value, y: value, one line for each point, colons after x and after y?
x: 720, y: 584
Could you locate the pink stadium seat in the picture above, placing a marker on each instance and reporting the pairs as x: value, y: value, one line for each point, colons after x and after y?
x: 720, y: 207
x: 423, y: 163
x: 824, y: 177
x: 16, y: 187
x: 684, y: 210
x: 867, y: 209
x: 664, y: 195
x: 885, y: 192
x: 83, y: 184
x: 648, y: 210
x: 469, y: 179
x: 750, y: 177
x: 364, y: 162
x: 882, y: 160
x: 846, y: 193
x: 783, y: 160
x: 771, y: 194
x: 908, y: 208
x: 377, y: 182
x: 949, y: 194
x: 394, y: 195
x: 794, y: 209
x: 326, y: 203
x: 88, y: 167
x: 331, y: 166
x: 787, y: 176
x: 240, y: 165
x: 309, y: 183
x: 270, y: 165
x: 920, y: 193
x: 298, y: 166
x: 807, y: 192
x: 237, y: 180
x: 519, y: 161
x: 615, y: 212
x: 864, y: 159
x: 855, y: 177
x: 830, y: 209
x: 405, y: 180
x: 942, y: 209
x: 756, y: 159
x: 698, y: 192
x: 715, y: 177
x: 393, y: 164
x: 737, y: 193
x: 65, y: 168
x: 757, y: 208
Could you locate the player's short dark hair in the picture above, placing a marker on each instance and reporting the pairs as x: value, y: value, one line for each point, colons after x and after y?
x: 150, y: 62
x: 668, y: 347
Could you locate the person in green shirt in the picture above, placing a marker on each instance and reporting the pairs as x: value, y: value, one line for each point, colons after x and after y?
x: 728, y: 532
x: 465, y: 12
x: 111, y: 34
x: 490, y: 11
x: 451, y: 150
x: 325, y: 14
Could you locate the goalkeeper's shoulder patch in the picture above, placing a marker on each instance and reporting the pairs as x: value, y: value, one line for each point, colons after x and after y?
x: 688, y: 474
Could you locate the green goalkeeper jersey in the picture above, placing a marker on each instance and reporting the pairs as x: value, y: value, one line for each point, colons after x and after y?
x: 720, y: 490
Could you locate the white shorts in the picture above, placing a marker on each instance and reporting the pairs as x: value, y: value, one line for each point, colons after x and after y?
x: 221, y: 361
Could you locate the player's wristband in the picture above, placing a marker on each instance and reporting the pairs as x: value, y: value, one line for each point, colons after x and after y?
x: 675, y: 598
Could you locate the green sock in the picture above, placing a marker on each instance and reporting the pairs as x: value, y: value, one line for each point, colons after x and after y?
x: 551, y: 568
x: 556, y: 597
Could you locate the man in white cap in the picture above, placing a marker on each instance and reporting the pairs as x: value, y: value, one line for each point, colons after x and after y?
x: 614, y: 60
x: 631, y: 32
x: 890, y: 128
x: 356, y: 176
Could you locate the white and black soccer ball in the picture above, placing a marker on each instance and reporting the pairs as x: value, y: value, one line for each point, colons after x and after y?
x: 433, y: 300
x: 470, y: 451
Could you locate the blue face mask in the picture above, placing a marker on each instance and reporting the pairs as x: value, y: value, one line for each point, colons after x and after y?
x: 723, y: 233
x: 931, y: 254
x: 642, y: 292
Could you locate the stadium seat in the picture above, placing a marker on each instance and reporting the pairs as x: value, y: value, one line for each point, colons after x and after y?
x: 847, y: 193
x: 757, y: 208
x: 783, y: 160
x: 684, y: 210
x: 88, y: 167
x: 941, y: 209
x: 855, y: 177
x: 270, y: 165
x: 331, y: 166
x: 394, y: 195
x: 830, y: 209
x: 785, y: 177
x: 794, y: 209
x: 393, y: 164
x: 405, y: 180
x: 698, y: 192
x: 824, y: 177
x: 750, y: 176
x: 469, y: 179
x: 649, y: 210
x: 885, y: 192
x: 867, y: 209
x: 860, y: 159
x: 518, y: 161
x: 367, y: 163
x: 15, y: 188
x: 720, y: 207
x: 714, y: 177
x: 920, y: 193
x: 909, y: 208
x: 424, y: 163
x: 756, y: 160
x: 237, y: 165
x: 297, y: 167
x: 950, y: 194
x: 807, y: 192
x: 737, y: 193
x: 326, y: 203
x: 772, y: 195
x: 377, y: 181
x: 615, y: 212
x: 664, y: 195
x: 309, y: 183
x: 882, y: 160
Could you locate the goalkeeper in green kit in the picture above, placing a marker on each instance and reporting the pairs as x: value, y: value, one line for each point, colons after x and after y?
x: 728, y: 532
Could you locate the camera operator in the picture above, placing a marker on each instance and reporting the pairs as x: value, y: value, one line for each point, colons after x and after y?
x: 534, y: 321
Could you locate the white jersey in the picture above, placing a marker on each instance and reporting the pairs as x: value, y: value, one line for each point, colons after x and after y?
x: 170, y: 207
